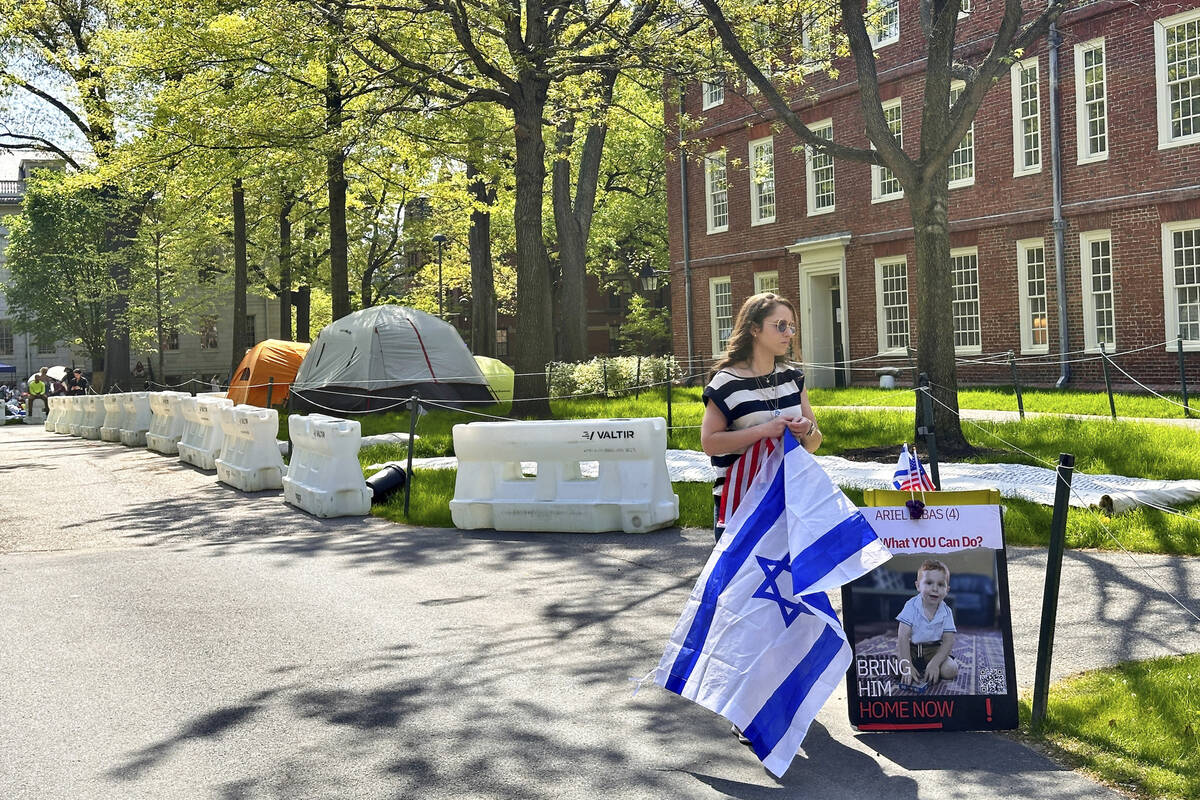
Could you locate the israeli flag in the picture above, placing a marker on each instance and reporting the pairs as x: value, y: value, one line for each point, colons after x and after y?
x: 759, y: 642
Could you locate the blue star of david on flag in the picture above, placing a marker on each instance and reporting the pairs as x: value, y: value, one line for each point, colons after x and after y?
x: 770, y: 587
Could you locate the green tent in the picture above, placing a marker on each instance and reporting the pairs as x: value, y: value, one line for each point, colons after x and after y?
x: 499, y: 377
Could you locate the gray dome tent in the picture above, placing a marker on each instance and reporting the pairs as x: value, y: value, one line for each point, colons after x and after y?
x: 375, y: 358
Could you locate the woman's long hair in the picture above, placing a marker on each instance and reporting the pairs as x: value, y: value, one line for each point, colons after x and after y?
x: 741, y: 340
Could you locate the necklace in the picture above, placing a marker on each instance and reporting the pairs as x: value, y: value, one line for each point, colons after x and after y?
x: 771, y: 400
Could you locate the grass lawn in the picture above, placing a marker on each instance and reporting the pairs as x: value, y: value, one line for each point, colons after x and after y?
x: 1100, y: 447
x: 1134, y: 726
x: 1003, y: 398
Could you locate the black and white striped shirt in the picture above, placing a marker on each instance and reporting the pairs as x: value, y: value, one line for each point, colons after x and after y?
x: 746, y: 402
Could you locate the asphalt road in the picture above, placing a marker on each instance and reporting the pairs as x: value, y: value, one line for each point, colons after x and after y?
x: 167, y: 637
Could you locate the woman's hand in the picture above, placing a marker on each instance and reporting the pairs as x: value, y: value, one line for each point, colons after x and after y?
x: 801, y: 426
x: 774, y: 428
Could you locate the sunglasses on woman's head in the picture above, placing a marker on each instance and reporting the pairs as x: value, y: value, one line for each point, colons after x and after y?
x: 781, y: 325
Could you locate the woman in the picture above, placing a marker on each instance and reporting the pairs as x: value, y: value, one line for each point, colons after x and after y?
x: 753, y: 394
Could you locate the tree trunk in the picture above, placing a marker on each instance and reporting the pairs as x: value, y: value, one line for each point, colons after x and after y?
x: 303, y: 307
x: 483, y: 287
x: 534, y: 344
x: 158, y: 305
x: 573, y: 222
x: 935, y: 310
x: 239, y: 277
x: 285, y: 267
x: 124, y: 217
x: 335, y: 164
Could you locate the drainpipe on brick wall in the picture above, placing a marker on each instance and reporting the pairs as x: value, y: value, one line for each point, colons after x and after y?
x: 1059, y: 224
x: 687, y: 247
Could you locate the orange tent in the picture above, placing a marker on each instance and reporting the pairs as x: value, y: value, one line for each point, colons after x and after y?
x: 272, y: 358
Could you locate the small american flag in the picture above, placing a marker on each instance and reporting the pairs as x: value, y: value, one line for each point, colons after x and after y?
x: 910, y: 474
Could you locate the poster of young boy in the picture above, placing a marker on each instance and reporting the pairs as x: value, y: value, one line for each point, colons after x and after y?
x: 930, y: 629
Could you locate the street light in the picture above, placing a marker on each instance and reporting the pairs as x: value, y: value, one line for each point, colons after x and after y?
x: 649, y: 277
x: 440, y: 239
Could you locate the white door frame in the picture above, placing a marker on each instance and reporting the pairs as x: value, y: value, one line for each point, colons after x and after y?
x: 820, y: 256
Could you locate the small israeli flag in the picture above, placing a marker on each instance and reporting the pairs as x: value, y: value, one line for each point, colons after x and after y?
x: 759, y: 642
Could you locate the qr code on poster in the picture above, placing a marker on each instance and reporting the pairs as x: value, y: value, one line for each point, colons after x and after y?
x: 991, y: 681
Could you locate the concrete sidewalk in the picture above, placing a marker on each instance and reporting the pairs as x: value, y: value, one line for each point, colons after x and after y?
x: 167, y: 637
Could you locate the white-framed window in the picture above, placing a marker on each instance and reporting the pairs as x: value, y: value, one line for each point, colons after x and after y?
x: 6, y: 337
x: 766, y: 282
x: 1091, y: 102
x: 501, y: 341
x: 884, y: 27
x: 1031, y: 291
x: 716, y: 192
x: 208, y: 334
x: 1181, y: 283
x: 251, y: 333
x: 1099, y: 320
x: 720, y: 293
x: 884, y: 184
x: 818, y: 167
x: 964, y: 272
x: 762, y: 181
x: 1027, y: 120
x: 46, y: 347
x: 171, y: 338
x: 891, y: 303
x: 962, y: 160
x: 965, y: 7
x: 1177, y: 76
x: 714, y: 93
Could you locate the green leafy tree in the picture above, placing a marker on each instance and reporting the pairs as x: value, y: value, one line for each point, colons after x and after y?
x: 646, y: 330
x: 61, y: 283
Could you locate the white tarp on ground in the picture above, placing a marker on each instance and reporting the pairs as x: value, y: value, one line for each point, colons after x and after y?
x: 1035, y: 484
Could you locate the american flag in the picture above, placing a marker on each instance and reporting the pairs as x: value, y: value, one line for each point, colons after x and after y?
x: 910, y: 474
x: 740, y: 475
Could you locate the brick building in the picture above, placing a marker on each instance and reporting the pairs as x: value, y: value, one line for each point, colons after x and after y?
x: 836, y: 236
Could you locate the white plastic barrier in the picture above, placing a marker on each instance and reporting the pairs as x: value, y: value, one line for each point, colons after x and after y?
x: 69, y: 413
x: 324, y: 477
x: 56, y: 407
x: 202, y: 431
x: 114, y: 417
x: 166, y: 424
x: 630, y: 493
x: 93, y: 416
x: 250, y: 459
x: 137, y: 419
x: 78, y: 408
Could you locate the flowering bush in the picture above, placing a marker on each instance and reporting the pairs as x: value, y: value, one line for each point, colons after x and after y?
x: 618, y: 374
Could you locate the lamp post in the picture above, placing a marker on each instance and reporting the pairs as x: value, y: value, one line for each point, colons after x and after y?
x: 440, y: 239
x: 649, y: 277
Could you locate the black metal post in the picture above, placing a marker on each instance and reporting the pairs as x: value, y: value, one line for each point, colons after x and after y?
x: 413, y: 405
x: 912, y: 364
x: 670, y: 385
x: 1058, y: 538
x: 1012, y: 365
x: 1187, y: 412
x: 604, y: 367
x: 1112, y: 406
x: 550, y: 380
x: 270, y: 389
x: 637, y: 381
x: 289, y: 427
x: 926, y: 430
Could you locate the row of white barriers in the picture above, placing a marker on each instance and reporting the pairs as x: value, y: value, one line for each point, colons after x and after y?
x: 237, y: 442
x: 560, y: 475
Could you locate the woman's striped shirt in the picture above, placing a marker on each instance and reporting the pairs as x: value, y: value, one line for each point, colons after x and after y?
x: 746, y: 402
